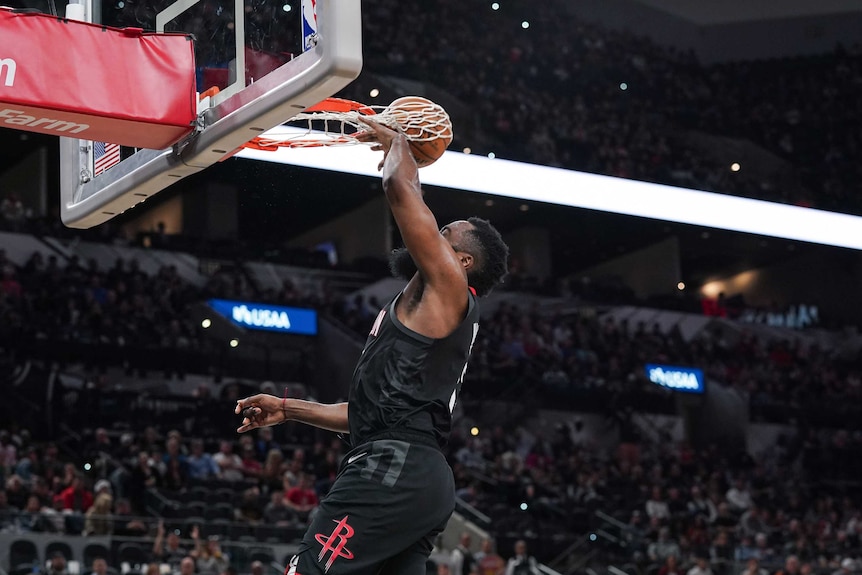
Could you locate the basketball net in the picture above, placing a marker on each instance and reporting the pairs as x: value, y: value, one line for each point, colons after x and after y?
x: 335, y: 122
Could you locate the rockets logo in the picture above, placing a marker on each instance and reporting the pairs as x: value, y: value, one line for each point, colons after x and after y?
x: 335, y: 542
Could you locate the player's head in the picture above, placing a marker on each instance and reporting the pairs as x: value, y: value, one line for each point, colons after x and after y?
x: 479, y: 246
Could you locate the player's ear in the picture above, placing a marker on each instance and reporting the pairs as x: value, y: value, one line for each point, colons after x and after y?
x: 466, y: 260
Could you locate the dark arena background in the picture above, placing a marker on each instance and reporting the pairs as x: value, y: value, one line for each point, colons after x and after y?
x: 645, y: 396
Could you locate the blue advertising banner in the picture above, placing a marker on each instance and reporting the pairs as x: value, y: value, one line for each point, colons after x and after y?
x: 276, y: 318
x: 686, y: 379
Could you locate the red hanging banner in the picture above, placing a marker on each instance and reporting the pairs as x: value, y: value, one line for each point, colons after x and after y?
x: 92, y: 82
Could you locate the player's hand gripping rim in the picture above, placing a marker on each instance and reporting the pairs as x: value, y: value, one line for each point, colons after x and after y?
x: 262, y: 410
x: 381, y: 136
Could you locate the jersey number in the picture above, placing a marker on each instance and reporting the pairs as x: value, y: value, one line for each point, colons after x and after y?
x: 454, y: 398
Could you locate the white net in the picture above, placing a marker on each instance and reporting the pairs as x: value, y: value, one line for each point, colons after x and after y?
x: 420, y: 120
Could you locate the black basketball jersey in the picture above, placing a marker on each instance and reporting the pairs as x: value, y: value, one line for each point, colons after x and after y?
x: 406, y: 381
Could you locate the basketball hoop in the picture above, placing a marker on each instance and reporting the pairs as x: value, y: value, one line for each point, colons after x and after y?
x: 335, y: 122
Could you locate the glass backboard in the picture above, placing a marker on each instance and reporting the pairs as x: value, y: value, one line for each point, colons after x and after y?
x: 262, y: 61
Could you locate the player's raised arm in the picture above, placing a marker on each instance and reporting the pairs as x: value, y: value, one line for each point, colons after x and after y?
x: 439, y: 265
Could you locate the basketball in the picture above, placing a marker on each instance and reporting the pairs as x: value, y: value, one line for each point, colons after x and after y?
x: 426, y: 125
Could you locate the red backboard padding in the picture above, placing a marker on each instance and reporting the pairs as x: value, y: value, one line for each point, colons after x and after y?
x: 92, y: 82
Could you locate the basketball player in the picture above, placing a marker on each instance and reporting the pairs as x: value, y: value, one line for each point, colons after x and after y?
x: 395, y: 492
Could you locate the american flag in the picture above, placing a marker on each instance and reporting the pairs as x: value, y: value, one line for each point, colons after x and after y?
x: 106, y: 155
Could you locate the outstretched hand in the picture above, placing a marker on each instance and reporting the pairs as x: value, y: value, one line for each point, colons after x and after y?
x: 262, y: 410
x: 380, y: 135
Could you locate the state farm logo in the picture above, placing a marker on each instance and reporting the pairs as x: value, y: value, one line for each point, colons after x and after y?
x: 19, y: 118
x: 8, y: 67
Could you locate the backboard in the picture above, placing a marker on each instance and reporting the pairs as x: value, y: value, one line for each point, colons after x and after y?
x: 269, y: 60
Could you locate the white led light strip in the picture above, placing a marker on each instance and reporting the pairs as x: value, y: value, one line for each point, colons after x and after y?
x: 604, y: 193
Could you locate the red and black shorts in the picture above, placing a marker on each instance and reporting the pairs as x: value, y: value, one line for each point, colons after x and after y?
x: 390, y: 500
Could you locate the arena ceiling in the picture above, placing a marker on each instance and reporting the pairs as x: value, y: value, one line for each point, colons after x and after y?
x: 712, y: 12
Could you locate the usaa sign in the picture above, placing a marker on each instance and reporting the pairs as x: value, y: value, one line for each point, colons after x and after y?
x: 686, y: 379
x: 267, y: 317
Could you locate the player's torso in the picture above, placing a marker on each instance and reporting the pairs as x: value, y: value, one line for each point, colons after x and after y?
x: 405, y: 381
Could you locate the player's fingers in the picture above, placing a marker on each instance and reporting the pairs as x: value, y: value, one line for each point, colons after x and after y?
x: 247, y: 402
x: 373, y: 124
x: 247, y: 425
x: 366, y: 136
x: 377, y: 148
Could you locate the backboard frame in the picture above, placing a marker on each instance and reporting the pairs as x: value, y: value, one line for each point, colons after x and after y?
x: 329, y: 65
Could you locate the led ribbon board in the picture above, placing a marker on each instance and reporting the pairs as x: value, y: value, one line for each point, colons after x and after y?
x: 531, y: 182
x: 685, y: 379
x: 264, y: 317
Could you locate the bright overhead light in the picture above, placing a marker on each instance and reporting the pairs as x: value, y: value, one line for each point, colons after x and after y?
x: 525, y: 24
x: 234, y: 342
x: 495, y: 6
x: 206, y: 323
x: 374, y: 92
x: 680, y: 286
x: 475, y: 173
x: 287, y: 8
x: 735, y: 167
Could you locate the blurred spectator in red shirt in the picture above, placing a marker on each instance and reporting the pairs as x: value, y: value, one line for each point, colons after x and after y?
x: 76, y: 497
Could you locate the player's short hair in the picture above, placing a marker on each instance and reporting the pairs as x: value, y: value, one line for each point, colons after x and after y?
x: 490, y: 254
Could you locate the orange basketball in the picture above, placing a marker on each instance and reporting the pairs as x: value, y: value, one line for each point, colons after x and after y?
x: 426, y: 125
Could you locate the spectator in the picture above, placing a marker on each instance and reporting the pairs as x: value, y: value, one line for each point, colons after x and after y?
x: 57, y: 566
x: 272, y: 472
x: 738, y: 497
x: 277, y: 513
x: 200, y: 464
x: 229, y: 463
x: 671, y: 566
x: 76, y: 497
x: 7, y: 512
x: 174, y: 468
x: 701, y: 567
x: 656, y: 507
x: 521, y: 563
x: 791, y: 566
x: 251, y: 467
x: 488, y: 561
x: 187, y: 566
x: 462, y: 559
x: 98, y: 519
x: 302, y: 498
x: 30, y: 518
x: 142, y: 477
x: 663, y: 548
x: 721, y: 553
x: 209, y: 557
x: 249, y: 508
x: 700, y: 505
x: 848, y: 566
x: 752, y: 567
x: 171, y: 553
x: 100, y: 566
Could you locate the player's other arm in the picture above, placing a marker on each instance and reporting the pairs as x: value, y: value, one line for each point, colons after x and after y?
x: 437, y: 262
x: 265, y: 410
